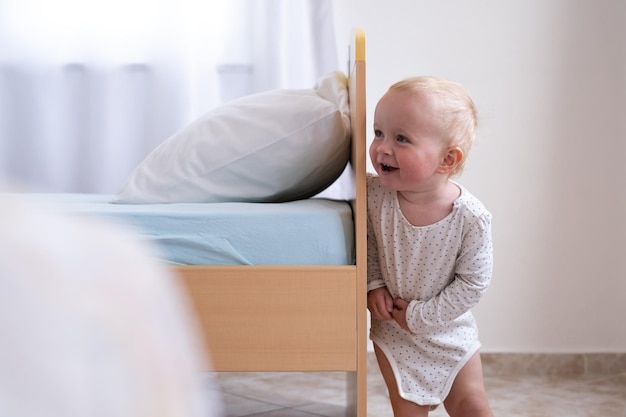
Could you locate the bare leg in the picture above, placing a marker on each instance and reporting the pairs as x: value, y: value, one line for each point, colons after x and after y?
x: 400, y: 406
x: 468, y: 397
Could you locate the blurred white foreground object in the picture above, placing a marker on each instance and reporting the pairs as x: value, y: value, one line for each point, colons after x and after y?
x: 91, y: 325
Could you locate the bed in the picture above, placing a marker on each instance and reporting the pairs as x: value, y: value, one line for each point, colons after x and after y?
x: 281, y: 312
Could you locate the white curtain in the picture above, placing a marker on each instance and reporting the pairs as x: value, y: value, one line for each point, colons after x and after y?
x: 88, y: 88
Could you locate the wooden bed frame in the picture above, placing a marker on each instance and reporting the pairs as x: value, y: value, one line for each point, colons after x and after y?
x: 295, y: 318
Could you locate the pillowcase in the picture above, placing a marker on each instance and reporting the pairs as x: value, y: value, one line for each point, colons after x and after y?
x: 274, y: 146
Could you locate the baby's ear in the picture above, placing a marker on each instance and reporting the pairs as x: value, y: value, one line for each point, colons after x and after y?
x: 451, y: 160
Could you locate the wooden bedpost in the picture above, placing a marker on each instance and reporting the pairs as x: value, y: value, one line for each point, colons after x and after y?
x: 358, y: 380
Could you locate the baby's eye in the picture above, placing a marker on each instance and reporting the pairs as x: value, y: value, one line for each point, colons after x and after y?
x: 401, y: 138
x: 378, y: 133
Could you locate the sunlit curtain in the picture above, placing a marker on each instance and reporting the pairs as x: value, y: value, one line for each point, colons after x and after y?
x: 89, y: 88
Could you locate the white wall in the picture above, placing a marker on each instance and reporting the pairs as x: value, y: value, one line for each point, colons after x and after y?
x: 549, y: 80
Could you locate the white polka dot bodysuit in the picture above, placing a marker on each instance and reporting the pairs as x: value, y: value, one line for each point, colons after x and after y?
x: 442, y: 270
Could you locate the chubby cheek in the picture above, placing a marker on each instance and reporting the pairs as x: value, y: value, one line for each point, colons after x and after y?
x: 417, y: 171
x: 373, y: 152
x: 411, y: 166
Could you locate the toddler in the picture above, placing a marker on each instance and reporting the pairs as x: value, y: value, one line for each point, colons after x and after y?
x: 430, y: 256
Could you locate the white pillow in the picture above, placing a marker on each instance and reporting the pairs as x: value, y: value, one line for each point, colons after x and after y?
x: 274, y: 146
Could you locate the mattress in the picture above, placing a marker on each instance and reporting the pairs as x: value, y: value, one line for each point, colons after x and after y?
x: 306, y: 232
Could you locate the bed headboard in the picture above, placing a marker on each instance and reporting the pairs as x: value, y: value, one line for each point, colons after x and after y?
x: 356, y: 70
x: 359, y: 138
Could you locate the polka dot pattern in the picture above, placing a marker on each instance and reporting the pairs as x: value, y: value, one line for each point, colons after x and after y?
x: 443, y: 270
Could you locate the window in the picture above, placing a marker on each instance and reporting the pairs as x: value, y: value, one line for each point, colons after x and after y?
x: 89, y: 88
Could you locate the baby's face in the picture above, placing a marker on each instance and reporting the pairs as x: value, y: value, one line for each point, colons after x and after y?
x: 408, y: 144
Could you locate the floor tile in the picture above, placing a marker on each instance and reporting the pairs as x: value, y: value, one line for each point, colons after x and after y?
x: 238, y: 406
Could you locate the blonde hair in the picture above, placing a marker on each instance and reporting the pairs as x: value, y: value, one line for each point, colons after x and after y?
x: 459, y: 115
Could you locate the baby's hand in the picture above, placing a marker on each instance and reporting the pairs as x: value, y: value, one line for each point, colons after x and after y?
x: 380, y: 304
x: 399, y: 313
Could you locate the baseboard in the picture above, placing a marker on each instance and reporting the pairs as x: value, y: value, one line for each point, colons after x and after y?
x: 554, y: 364
x: 547, y: 364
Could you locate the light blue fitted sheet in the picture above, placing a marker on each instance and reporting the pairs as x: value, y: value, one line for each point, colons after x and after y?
x: 305, y: 232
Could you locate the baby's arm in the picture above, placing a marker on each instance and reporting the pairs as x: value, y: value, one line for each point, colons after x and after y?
x: 473, y: 272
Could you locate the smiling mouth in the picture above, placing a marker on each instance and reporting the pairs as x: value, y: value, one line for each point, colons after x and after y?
x: 387, y: 168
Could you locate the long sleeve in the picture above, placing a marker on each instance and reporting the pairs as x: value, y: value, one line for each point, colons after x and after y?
x: 472, y: 276
x: 374, y: 276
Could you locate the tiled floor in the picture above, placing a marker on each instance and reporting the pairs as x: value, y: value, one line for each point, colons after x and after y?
x: 323, y: 394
